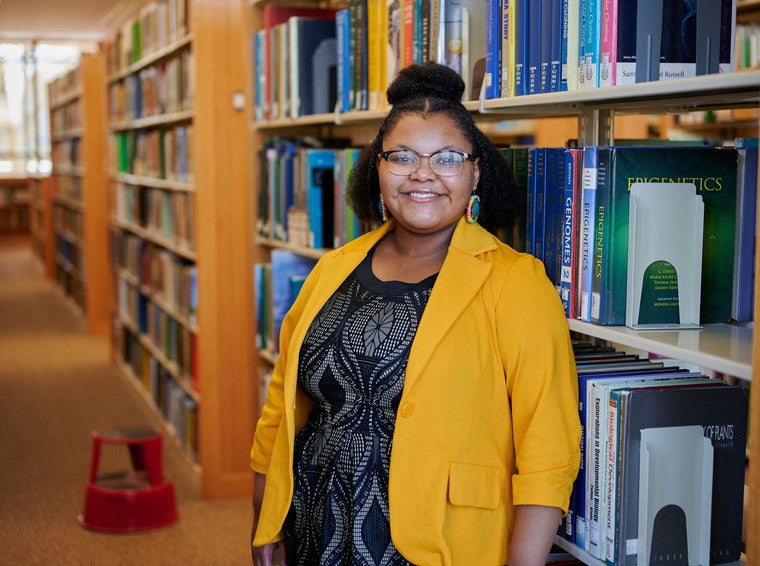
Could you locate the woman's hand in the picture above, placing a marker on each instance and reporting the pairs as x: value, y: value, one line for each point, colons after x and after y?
x: 269, y: 554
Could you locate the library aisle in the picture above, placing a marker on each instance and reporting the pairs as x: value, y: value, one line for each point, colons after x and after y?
x: 57, y: 384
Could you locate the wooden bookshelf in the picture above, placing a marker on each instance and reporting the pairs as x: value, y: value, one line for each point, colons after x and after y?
x: 216, y: 426
x: 42, y: 224
x: 588, y: 115
x: 74, y: 200
x: 15, y: 205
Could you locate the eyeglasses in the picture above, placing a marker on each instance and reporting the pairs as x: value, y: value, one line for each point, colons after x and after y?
x: 444, y: 162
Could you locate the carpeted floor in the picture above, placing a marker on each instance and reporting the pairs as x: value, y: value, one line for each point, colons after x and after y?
x: 56, y: 386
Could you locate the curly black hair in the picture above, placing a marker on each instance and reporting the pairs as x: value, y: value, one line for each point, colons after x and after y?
x: 435, y: 89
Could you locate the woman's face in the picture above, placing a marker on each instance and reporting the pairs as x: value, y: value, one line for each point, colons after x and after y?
x: 423, y: 202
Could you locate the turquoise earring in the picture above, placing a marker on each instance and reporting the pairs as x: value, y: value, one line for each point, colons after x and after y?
x: 472, y: 211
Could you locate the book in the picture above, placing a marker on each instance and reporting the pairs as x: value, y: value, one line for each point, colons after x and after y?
x: 319, y: 181
x: 713, y: 172
x: 533, y: 47
x: 493, y: 49
x: 608, y: 43
x: 587, y: 228
x: 343, y: 58
x: 746, y: 203
x: 625, y: 56
x: 721, y: 412
x: 324, y: 79
x: 571, y: 195
x: 285, y: 266
x: 508, y: 11
x: 558, y: 43
x: 520, y: 47
x: 570, y: 51
x: 305, y: 35
x: 272, y: 16
x: 591, y: 43
x: 664, y: 256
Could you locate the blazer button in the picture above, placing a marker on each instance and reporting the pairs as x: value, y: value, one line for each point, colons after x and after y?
x: 407, y: 409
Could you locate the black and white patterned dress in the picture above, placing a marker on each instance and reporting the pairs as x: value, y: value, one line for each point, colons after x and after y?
x: 352, y: 363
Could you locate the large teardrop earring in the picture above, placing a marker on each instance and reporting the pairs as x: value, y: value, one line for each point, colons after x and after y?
x: 383, y: 209
x: 472, y: 211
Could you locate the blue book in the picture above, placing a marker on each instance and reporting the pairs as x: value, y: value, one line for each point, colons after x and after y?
x: 563, y: 44
x: 586, y: 243
x: 545, y: 45
x: 571, y: 165
x: 558, y: 36
x: 319, y: 179
x: 285, y: 266
x: 744, y: 254
x: 522, y: 8
x: 343, y: 46
x: 534, y: 47
x: 493, y: 48
x: 259, y: 73
x: 534, y: 201
x: 554, y: 213
x: 305, y: 36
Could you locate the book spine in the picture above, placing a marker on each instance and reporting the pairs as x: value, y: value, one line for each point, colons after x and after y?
x: 558, y: 42
x: 546, y: 35
x: 493, y: 48
x: 586, y: 244
x: 582, y: 18
x: 591, y: 42
x: 568, y: 229
x: 570, y: 74
x: 521, y: 46
x: 343, y: 45
x: 613, y: 472
x: 625, y: 51
x: 601, y: 255
x: 534, y: 48
x: 508, y: 47
x: 608, y: 44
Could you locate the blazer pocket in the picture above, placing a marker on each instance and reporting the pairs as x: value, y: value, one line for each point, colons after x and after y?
x: 476, y: 486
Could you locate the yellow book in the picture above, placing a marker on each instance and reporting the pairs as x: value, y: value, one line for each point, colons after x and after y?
x: 374, y: 53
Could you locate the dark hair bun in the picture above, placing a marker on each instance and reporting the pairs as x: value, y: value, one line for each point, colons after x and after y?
x: 423, y: 81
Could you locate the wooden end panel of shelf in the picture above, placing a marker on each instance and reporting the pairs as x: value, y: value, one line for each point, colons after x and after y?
x: 95, y: 194
x: 225, y: 287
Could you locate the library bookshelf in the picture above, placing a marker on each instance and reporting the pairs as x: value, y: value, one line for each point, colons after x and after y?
x: 596, y: 114
x: 76, y: 198
x: 43, y: 242
x: 182, y: 309
x: 15, y: 205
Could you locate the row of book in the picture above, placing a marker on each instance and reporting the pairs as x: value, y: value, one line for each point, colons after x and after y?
x: 663, y: 455
x: 167, y: 280
x: 68, y: 222
x: 747, y: 47
x: 160, y: 153
x: 161, y: 88
x: 313, y: 61
x: 66, y: 118
x: 66, y: 153
x: 157, y: 25
x: 64, y: 86
x: 178, y: 407
x: 169, y: 216
x: 301, y: 194
x: 69, y: 280
x: 276, y: 286
x: 575, y: 218
x: 168, y: 340
x: 68, y: 187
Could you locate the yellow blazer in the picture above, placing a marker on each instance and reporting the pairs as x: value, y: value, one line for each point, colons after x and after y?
x: 488, y: 417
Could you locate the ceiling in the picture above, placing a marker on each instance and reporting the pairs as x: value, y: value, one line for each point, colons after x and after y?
x: 64, y: 20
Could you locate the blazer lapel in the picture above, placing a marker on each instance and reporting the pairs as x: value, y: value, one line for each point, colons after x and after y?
x: 462, y: 276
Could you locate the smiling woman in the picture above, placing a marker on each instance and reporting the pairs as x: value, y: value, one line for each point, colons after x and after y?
x: 423, y: 408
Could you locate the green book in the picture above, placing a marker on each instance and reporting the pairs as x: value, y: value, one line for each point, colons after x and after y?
x: 713, y: 172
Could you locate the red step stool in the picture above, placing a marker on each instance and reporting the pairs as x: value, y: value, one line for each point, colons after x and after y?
x: 133, y: 500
